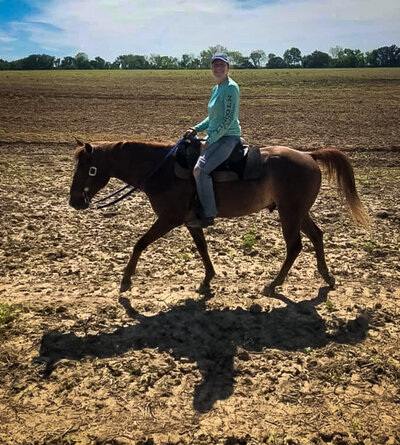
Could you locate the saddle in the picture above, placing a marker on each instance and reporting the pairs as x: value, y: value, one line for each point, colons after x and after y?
x: 243, y: 164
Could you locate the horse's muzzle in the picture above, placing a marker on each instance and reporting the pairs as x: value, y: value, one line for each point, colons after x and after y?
x: 80, y: 203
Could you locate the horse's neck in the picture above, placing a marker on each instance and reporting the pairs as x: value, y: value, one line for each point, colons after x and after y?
x: 132, y: 162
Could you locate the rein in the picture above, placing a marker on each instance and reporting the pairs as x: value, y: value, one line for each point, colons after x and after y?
x: 93, y: 171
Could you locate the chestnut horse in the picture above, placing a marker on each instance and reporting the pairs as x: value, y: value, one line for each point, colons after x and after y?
x: 290, y: 182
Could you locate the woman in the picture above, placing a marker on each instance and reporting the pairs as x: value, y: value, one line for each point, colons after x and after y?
x: 223, y: 131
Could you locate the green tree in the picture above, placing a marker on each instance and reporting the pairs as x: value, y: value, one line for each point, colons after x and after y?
x: 336, y: 52
x: 132, y: 62
x: 385, y: 56
x: 292, y: 57
x: 82, y: 61
x: 257, y: 57
x: 206, y: 54
x: 68, y: 63
x: 112, y: 65
x: 238, y: 60
x: 317, y: 59
x: 353, y: 58
x: 98, y: 63
x: 120, y: 61
x: 189, y: 61
x: 34, y: 62
x: 195, y: 64
x: 140, y: 62
x: 185, y: 60
x: 163, y: 62
x: 347, y: 58
x: 275, y: 62
x: 4, y: 65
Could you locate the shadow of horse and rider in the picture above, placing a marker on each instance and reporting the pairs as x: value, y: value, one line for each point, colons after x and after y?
x: 209, y: 337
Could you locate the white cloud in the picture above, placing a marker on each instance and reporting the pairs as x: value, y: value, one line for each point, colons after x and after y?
x: 112, y: 27
x: 6, y: 38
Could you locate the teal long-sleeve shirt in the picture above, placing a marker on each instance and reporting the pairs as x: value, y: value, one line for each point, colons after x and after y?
x: 223, y: 112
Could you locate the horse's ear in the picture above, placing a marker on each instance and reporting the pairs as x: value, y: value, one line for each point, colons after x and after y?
x: 88, y: 148
x: 80, y: 143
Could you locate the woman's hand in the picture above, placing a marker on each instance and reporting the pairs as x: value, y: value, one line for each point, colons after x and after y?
x: 190, y: 134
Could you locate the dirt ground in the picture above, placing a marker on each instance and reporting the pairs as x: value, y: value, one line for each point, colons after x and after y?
x: 168, y: 362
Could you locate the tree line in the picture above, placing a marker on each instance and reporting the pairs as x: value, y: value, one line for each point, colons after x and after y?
x: 385, y: 56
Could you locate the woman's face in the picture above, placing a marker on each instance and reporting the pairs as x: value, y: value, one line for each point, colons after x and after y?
x: 220, y: 70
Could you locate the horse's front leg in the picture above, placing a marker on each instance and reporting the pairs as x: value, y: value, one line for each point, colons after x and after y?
x: 161, y: 227
x: 201, y: 244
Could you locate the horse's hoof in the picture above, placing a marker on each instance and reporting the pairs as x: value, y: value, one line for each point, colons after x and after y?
x: 125, y: 286
x: 268, y: 291
x: 331, y: 281
x: 204, y: 288
x: 207, y: 279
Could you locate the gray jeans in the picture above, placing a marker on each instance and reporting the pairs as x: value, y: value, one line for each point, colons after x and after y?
x: 211, y: 158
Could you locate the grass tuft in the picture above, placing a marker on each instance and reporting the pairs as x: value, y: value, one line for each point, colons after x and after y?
x: 249, y: 239
x: 6, y: 313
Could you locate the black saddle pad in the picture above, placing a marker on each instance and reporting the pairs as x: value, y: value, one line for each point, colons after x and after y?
x: 188, y: 153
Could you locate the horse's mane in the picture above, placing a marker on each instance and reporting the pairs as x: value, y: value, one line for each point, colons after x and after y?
x: 106, y: 145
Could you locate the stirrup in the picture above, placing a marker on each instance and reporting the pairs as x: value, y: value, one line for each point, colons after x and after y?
x: 203, y: 222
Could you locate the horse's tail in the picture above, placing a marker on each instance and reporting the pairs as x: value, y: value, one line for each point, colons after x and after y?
x: 338, y: 164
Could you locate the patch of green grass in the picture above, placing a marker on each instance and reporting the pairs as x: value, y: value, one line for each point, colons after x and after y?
x: 186, y: 256
x: 272, y: 438
x: 366, y: 182
x: 341, y: 408
x: 329, y: 305
x: 355, y: 425
x: 65, y: 158
x: 249, y: 239
x: 369, y: 246
x: 70, y: 439
x: 6, y: 313
x: 309, y: 350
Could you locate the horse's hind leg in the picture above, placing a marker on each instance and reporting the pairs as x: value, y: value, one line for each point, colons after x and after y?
x: 316, y: 237
x: 201, y: 244
x: 291, y: 233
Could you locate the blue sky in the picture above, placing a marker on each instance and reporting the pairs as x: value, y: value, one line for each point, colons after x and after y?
x: 108, y: 28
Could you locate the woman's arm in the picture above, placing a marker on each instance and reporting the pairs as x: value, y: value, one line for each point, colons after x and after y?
x: 203, y: 125
x: 231, y: 105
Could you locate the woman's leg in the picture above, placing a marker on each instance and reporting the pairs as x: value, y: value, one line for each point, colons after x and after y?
x: 211, y: 158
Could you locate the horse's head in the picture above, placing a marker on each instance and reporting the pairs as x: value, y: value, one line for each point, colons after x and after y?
x: 92, y: 173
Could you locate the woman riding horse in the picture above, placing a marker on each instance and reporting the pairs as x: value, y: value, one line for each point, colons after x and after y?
x: 223, y: 131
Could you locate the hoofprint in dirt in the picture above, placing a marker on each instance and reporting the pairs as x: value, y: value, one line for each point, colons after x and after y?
x: 165, y: 363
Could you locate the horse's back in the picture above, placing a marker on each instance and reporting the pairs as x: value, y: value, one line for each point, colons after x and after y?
x: 286, y: 153
x: 285, y: 160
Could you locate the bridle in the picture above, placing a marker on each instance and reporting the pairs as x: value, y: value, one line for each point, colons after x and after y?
x: 93, y: 172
